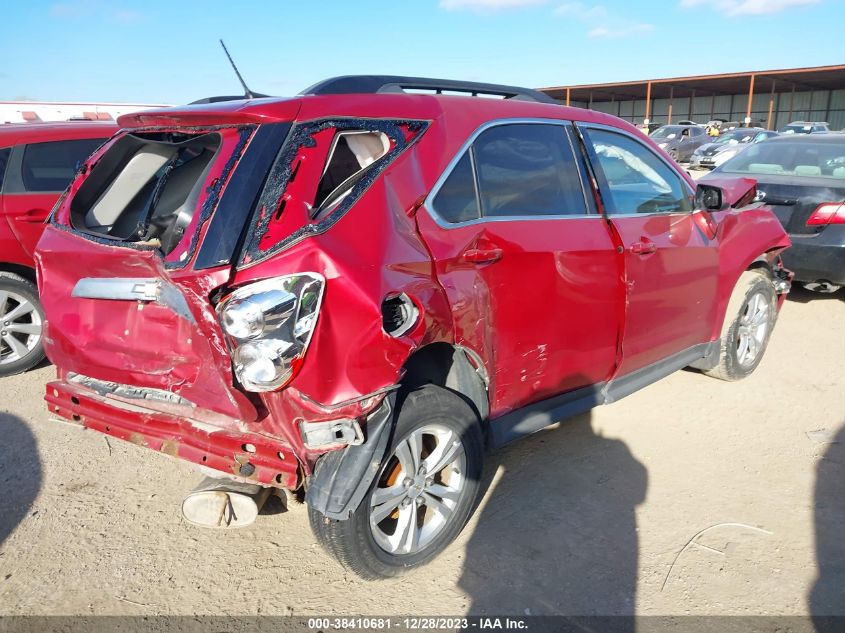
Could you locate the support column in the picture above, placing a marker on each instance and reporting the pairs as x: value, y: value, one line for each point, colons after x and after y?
x: 750, y: 97
x: 647, y: 103
x: 567, y: 97
x: 771, y: 106
x: 671, y: 95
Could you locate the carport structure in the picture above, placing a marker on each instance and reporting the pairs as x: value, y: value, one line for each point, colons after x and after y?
x: 770, y: 98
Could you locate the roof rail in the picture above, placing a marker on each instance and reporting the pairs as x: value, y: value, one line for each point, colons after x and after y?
x: 371, y: 84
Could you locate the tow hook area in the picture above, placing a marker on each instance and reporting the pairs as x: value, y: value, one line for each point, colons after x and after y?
x: 220, y: 503
x: 782, y: 278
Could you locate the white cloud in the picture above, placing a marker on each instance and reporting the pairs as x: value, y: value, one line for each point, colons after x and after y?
x: 488, y: 5
x: 617, y: 32
x: 747, y: 7
x: 600, y: 22
x: 580, y: 11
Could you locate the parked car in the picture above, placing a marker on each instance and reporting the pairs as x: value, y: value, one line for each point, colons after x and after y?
x: 648, y: 128
x: 805, y: 127
x: 680, y: 141
x: 802, y: 178
x: 323, y: 293
x: 727, y: 146
x: 37, y: 162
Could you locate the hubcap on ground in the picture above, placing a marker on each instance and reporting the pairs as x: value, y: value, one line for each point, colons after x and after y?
x: 418, y: 490
x: 753, y: 327
x: 20, y: 326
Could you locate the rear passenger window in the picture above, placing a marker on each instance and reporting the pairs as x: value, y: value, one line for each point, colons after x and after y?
x: 350, y: 155
x: 636, y: 179
x: 515, y: 170
x: 51, y: 166
x: 527, y: 170
x: 4, y: 160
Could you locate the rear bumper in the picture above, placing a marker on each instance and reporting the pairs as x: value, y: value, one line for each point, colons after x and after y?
x: 818, y: 257
x: 243, y: 455
x: 701, y: 162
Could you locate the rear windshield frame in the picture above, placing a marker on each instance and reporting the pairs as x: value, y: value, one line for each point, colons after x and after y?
x: 61, y: 219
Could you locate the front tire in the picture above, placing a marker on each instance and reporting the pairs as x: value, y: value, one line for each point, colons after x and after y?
x: 749, y: 321
x: 21, y: 325
x: 421, y: 497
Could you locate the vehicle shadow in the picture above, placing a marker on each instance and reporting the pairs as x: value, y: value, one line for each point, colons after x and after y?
x: 827, y: 597
x: 20, y: 472
x: 557, y: 534
x: 802, y: 295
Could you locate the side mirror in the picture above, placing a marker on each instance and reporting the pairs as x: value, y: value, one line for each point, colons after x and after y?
x: 729, y: 192
x: 709, y: 197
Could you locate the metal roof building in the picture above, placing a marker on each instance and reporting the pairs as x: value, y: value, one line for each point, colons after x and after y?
x: 770, y: 98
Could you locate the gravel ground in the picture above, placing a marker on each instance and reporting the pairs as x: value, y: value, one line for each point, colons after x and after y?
x: 690, y: 496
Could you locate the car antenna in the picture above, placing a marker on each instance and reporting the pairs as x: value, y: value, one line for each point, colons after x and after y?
x: 247, y: 92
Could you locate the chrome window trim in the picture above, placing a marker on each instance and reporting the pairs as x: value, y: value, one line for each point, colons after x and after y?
x: 673, y: 168
x: 465, y: 147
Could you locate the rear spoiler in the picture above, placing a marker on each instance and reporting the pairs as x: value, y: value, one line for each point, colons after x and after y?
x: 243, y: 111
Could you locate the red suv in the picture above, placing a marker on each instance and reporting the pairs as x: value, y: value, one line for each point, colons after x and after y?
x: 37, y: 162
x: 352, y: 291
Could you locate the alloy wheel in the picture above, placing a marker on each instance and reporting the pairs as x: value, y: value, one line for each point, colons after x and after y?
x: 20, y: 327
x: 418, y: 490
x: 753, y: 329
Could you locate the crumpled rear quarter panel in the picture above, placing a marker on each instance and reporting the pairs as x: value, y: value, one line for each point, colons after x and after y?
x: 371, y: 252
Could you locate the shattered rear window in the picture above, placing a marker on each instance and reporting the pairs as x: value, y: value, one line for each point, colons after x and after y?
x: 323, y: 169
x: 154, y: 189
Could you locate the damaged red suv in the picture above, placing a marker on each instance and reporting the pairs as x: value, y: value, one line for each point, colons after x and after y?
x: 355, y: 291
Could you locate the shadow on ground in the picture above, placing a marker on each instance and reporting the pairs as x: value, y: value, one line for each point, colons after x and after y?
x: 828, y: 594
x: 799, y: 294
x: 20, y: 472
x: 558, y: 533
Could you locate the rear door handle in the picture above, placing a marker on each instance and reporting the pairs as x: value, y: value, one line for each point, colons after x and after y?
x: 483, y: 255
x: 35, y: 216
x: 643, y: 247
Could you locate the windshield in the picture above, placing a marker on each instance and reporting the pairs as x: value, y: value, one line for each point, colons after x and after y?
x: 736, y: 136
x: 795, y: 157
x: 667, y: 131
x: 796, y: 129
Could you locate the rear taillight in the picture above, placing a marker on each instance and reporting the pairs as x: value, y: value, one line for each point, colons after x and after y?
x: 827, y: 213
x: 268, y: 325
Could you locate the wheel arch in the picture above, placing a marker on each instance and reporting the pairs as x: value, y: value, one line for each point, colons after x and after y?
x: 26, y: 272
x: 453, y: 367
x: 763, y: 262
x: 341, y: 478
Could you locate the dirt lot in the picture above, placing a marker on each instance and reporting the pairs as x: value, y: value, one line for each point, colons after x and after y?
x: 691, y: 496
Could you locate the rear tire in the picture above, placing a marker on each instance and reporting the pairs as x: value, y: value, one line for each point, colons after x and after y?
x: 749, y: 321
x: 21, y: 325
x: 407, y: 518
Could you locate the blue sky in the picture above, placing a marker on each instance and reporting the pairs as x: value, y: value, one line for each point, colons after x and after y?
x: 167, y: 52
